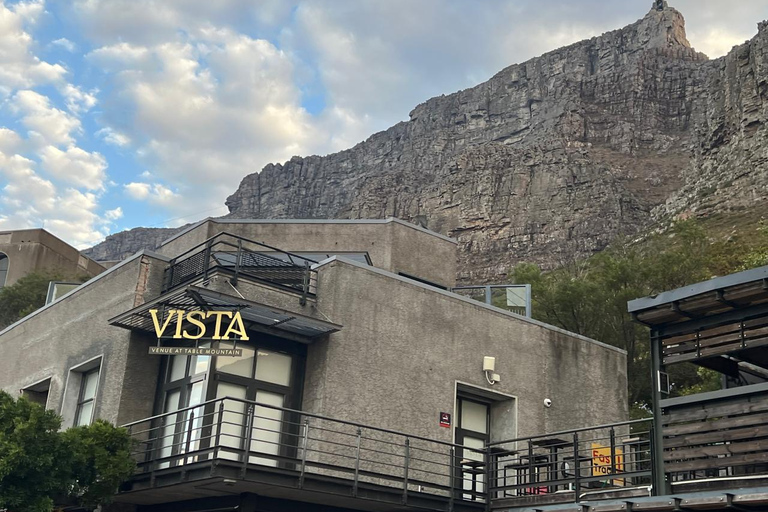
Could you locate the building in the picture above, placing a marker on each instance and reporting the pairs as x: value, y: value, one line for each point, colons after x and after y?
x: 705, y: 451
x: 306, y: 365
x: 29, y: 250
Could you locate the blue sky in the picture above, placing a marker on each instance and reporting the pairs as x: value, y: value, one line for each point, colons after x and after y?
x: 123, y: 113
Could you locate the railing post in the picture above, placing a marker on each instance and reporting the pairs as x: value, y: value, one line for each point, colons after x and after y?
x: 407, y: 464
x: 452, y: 478
x: 531, y: 469
x: 305, y: 284
x: 304, y: 453
x: 207, y: 258
x: 490, y: 477
x: 237, y: 261
x: 613, y: 455
x: 247, y: 445
x: 219, y: 424
x: 576, y: 469
x: 357, y: 461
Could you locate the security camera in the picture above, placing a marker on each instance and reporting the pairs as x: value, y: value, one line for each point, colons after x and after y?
x: 547, y: 402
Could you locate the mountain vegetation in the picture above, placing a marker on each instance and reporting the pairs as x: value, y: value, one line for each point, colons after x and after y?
x: 589, y: 296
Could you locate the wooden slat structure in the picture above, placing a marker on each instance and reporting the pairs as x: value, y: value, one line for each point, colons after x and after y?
x: 721, y: 324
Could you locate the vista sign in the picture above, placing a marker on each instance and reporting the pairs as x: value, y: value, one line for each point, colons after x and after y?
x: 232, y: 319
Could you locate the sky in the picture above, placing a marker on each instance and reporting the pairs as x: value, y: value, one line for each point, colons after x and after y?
x: 116, y: 114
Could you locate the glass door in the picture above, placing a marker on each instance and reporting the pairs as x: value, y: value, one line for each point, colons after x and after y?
x: 472, y: 431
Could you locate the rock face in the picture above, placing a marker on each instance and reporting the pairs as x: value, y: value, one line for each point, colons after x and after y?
x: 121, y: 245
x: 551, y: 159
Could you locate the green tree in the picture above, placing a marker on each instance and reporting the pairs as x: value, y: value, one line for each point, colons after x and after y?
x: 590, y: 297
x: 31, y: 454
x: 41, y: 467
x: 28, y: 294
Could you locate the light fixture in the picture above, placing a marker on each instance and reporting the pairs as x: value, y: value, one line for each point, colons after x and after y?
x: 489, y: 366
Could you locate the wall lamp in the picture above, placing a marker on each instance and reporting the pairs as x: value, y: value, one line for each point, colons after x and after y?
x: 489, y: 367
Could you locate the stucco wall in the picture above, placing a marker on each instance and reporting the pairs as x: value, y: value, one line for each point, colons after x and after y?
x: 396, y: 362
x: 30, y: 250
x: 391, y: 244
x: 74, y: 330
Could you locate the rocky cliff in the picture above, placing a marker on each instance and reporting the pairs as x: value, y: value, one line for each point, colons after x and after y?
x: 552, y: 158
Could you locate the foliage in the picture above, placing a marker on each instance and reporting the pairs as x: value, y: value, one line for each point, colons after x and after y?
x: 28, y: 294
x: 82, y: 465
x: 590, y: 297
x: 31, y: 453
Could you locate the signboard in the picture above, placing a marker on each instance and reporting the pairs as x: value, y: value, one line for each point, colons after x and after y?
x: 445, y: 419
x: 232, y: 319
x: 192, y: 351
x: 601, y: 462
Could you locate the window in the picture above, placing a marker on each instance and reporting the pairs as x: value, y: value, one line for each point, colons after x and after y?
x: 38, y: 392
x: 3, y: 269
x: 85, y: 402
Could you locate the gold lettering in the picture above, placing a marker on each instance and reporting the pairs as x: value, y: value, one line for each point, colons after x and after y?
x: 218, y: 315
x: 236, y: 321
x: 158, y: 330
x: 200, y: 325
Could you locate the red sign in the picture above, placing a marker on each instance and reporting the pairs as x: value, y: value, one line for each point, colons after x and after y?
x: 445, y: 419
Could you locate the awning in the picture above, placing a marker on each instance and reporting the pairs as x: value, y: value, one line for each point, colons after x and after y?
x: 257, y: 316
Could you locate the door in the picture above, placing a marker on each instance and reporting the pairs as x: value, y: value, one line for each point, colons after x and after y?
x: 472, y: 432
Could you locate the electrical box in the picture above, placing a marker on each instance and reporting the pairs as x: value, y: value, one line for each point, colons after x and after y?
x: 489, y: 364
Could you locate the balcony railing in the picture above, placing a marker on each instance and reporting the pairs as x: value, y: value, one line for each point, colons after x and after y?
x: 257, y: 439
x: 241, y: 257
x: 567, y: 465
x: 717, y: 435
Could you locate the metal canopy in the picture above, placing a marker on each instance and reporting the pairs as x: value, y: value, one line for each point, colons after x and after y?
x: 706, y: 299
x: 262, y: 317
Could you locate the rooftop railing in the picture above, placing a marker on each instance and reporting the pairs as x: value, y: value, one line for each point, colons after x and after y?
x: 241, y: 257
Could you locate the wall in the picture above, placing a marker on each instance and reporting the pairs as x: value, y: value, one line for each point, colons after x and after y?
x: 73, y: 330
x: 35, y: 249
x: 391, y: 244
x: 404, y: 346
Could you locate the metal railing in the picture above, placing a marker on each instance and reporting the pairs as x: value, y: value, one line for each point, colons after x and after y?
x: 241, y: 257
x: 264, y: 437
x: 567, y: 464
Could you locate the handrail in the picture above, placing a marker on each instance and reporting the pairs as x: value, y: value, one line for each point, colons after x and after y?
x: 572, y: 431
x: 236, y: 237
x: 303, y: 413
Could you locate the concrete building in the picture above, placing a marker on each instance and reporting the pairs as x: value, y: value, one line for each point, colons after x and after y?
x: 29, y: 250
x: 307, y: 365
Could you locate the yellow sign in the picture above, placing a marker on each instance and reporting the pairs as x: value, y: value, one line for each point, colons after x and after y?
x: 601, y: 462
x: 235, y: 324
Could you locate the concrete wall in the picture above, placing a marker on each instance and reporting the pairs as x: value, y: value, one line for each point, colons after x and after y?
x: 30, y: 250
x: 74, y: 330
x: 404, y: 347
x: 392, y: 244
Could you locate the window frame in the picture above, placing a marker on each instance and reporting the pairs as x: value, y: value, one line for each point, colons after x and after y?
x: 4, y: 271
x: 81, y: 402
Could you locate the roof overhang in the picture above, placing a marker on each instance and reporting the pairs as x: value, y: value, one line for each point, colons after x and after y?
x: 257, y: 316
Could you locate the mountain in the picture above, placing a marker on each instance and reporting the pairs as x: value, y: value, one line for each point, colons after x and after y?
x: 551, y: 159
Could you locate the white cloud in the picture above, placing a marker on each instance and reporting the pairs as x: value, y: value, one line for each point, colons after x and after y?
x: 75, y: 166
x: 65, y: 43
x: 38, y: 115
x: 77, y: 100
x: 115, y: 214
x: 154, y: 193
x: 113, y: 137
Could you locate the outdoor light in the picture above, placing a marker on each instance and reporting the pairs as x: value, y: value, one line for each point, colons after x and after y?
x: 489, y: 365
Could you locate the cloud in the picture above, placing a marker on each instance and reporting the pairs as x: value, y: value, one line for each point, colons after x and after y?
x: 115, y: 214
x: 65, y: 43
x: 77, y: 100
x: 113, y: 137
x: 75, y: 166
x: 38, y: 115
x: 154, y: 193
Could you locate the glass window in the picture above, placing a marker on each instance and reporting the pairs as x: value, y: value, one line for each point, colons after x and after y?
x: 242, y: 366
x: 267, y: 425
x: 88, y: 386
x: 3, y: 269
x: 273, y: 367
x: 474, y: 416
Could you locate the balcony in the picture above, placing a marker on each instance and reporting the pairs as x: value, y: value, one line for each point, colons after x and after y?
x: 242, y: 258
x: 228, y: 446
